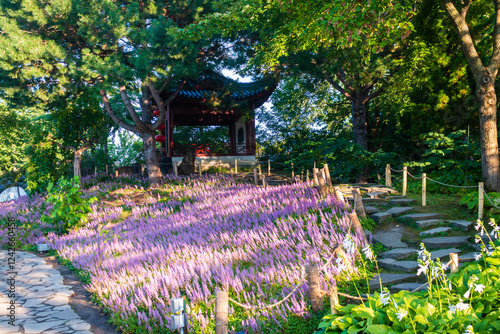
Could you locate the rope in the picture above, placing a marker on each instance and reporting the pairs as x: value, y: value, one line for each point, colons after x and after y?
x: 451, y: 185
x: 395, y: 170
x: 490, y: 199
x: 415, y: 177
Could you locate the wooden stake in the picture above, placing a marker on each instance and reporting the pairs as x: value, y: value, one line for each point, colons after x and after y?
x: 106, y: 169
x: 424, y: 189
x: 353, y: 217
x: 405, y: 174
x: 334, y: 300
x: 358, y: 203
x: 388, y: 181
x: 269, y: 167
x: 221, y: 312
x: 338, y: 194
x: 260, y: 170
x: 199, y: 168
x: 314, y: 287
x: 95, y: 170
x: 315, y: 176
x: 454, y: 263
x: 142, y: 170
x: 116, y: 173
x: 327, y: 172
x: 480, y: 203
x: 255, y: 176
x: 235, y: 166
x: 314, y: 165
x: 293, y: 171
x: 176, y: 170
x: 307, y: 176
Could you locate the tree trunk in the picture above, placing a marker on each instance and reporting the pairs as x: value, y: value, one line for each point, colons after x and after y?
x: 77, y: 162
x: 488, y: 125
x: 359, y: 122
x: 151, y: 158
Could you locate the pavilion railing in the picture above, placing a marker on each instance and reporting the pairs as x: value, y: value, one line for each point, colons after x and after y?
x: 217, y: 149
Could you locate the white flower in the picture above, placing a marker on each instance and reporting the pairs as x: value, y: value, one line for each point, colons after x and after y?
x: 349, y: 245
x: 469, y: 330
x: 422, y: 269
x: 467, y: 294
x: 368, y: 252
x: 495, y: 231
x: 462, y: 306
x: 478, y: 225
x: 395, y: 305
x: 449, y: 285
x: 340, y: 264
x: 384, y: 298
x: 452, y: 308
x: 477, y: 239
x: 478, y: 256
x: 479, y: 288
x: 401, y: 314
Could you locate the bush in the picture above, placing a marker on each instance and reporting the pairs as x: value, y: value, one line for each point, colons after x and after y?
x: 70, y: 210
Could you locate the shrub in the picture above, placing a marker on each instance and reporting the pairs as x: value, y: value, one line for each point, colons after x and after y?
x: 70, y: 210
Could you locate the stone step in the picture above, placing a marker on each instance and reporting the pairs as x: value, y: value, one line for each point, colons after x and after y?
x: 394, y: 197
x: 384, y: 189
x: 421, y: 216
x: 391, y: 264
x: 398, y: 211
x: 443, y: 253
x: 388, y: 278
x: 366, y: 200
x: 434, y: 231
x: 408, y: 287
x: 401, y: 201
x: 371, y: 210
x: 464, y: 225
x: 376, y: 194
x: 443, y: 242
x: 469, y: 257
x: 381, y: 216
x: 428, y: 222
x: 390, y: 239
x: 398, y: 253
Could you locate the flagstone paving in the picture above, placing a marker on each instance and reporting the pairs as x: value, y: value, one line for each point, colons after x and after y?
x: 41, y: 298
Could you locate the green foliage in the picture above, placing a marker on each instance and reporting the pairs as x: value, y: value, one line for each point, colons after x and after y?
x: 70, y: 209
x: 368, y: 224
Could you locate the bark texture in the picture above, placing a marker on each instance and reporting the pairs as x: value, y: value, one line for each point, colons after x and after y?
x: 484, y: 76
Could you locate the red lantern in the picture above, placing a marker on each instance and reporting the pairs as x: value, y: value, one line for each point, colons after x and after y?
x: 160, y: 138
x: 156, y: 112
x: 161, y: 127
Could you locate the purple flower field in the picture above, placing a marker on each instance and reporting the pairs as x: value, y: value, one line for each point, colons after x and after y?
x: 195, y: 235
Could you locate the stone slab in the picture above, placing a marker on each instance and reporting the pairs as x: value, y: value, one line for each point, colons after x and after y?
x: 370, y: 210
x: 421, y: 216
x: 390, y: 239
x: 464, y: 225
x: 398, y: 211
x: 434, y: 231
x: 398, y: 253
x: 443, y: 253
x: 388, y: 278
x: 391, y: 264
x: 469, y: 257
x: 394, y: 197
x: 381, y: 216
x: 375, y: 194
x: 408, y: 287
x: 366, y: 200
x: 445, y: 242
x: 399, y: 201
x: 428, y: 222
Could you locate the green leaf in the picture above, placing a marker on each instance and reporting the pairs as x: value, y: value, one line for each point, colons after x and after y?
x: 380, y: 329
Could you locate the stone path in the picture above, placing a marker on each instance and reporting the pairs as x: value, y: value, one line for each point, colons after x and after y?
x: 399, y: 263
x: 41, y: 298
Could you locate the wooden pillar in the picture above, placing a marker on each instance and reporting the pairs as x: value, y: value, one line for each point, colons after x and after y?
x: 454, y: 262
x: 293, y: 171
x: 260, y: 170
x: 315, y: 176
x: 307, y: 176
x: 424, y: 189
x: 355, y: 223
x: 358, y: 203
x: 334, y: 300
x: 339, y: 195
x: 235, y: 166
x: 269, y: 167
x: 327, y: 173
x: 480, y: 203
x: 199, y: 168
x: 314, y: 287
x: 221, y: 312
x: 176, y: 170
x: 250, y: 131
x: 405, y: 177
x: 388, y: 181
x: 142, y: 170
x: 232, y: 137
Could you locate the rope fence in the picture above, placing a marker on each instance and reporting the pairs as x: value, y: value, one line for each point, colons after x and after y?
x: 424, y: 178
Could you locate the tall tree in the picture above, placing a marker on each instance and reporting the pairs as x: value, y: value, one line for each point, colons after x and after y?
x: 484, y: 70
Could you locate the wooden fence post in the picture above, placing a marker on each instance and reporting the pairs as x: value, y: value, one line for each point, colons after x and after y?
x: 260, y: 170
x: 106, y: 169
x: 314, y: 287
x: 480, y: 203
x: 142, y: 170
x: 264, y: 181
x: 199, y: 168
x: 235, y: 166
x: 405, y: 174
x: 358, y: 203
x: 221, y: 312
x: 269, y: 167
x: 355, y: 223
x: 255, y: 176
x: 293, y: 171
x: 424, y: 189
x: 315, y: 176
x: 307, y: 176
x: 388, y: 181
x: 327, y: 172
x: 314, y: 166
x: 338, y: 194
x: 302, y: 176
x: 334, y: 300
x: 176, y: 170
x: 116, y: 173
x: 95, y: 171
x: 454, y: 263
